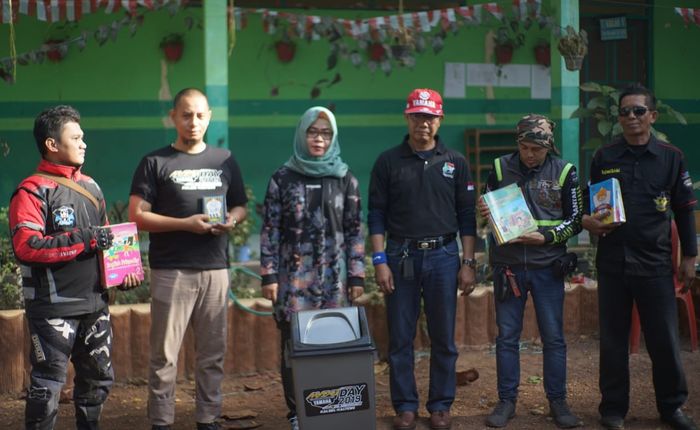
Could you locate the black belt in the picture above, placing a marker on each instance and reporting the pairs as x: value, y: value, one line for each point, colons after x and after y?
x: 425, y: 243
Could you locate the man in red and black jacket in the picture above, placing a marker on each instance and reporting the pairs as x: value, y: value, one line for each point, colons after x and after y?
x: 56, y: 234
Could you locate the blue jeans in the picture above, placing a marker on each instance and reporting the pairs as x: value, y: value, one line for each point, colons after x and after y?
x: 435, y: 280
x: 547, y: 292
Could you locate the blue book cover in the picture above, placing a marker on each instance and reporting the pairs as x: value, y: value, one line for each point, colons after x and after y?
x: 606, y: 196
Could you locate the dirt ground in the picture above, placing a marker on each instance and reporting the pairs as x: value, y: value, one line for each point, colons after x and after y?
x: 259, y: 396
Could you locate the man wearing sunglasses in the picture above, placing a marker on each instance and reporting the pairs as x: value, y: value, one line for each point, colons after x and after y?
x: 634, y: 260
x: 421, y: 195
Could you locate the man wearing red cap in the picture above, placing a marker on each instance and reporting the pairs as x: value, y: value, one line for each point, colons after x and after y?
x: 420, y: 195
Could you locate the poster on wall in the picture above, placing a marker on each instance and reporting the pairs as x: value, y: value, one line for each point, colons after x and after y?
x: 455, y: 82
x: 541, y: 85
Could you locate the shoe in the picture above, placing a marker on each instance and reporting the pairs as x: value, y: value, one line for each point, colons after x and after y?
x: 208, y: 426
x: 612, y: 422
x: 165, y: 427
x: 678, y: 420
x: 294, y: 423
x: 563, y: 418
x: 405, y: 420
x: 440, y: 420
x: 502, y: 413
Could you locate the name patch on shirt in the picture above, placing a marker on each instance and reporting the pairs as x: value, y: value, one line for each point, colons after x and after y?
x: 448, y: 169
x: 64, y: 216
x: 610, y: 171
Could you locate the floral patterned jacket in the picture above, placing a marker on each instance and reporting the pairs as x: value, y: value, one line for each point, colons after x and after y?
x: 311, y: 241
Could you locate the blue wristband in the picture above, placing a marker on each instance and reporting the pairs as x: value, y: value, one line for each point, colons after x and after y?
x: 378, y: 258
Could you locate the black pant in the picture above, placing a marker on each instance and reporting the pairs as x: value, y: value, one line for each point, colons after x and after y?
x: 286, y: 368
x: 656, y: 302
x: 86, y: 340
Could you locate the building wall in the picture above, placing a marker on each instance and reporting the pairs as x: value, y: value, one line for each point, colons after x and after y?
x: 120, y: 88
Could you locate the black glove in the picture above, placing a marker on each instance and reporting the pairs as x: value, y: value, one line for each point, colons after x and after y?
x: 99, y: 238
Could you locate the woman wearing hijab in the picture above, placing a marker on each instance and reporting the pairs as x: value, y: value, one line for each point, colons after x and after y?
x: 311, y: 244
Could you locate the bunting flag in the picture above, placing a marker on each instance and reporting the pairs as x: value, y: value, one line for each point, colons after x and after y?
x: 73, y: 10
x: 690, y: 16
x: 423, y: 21
x: 527, y: 8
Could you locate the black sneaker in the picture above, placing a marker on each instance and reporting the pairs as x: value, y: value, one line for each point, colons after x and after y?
x: 563, y: 418
x: 612, y: 422
x: 502, y: 413
x: 678, y: 420
x: 156, y: 427
x: 208, y: 426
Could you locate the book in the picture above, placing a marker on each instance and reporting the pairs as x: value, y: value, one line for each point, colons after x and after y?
x: 607, y: 196
x: 510, y: 217
x: 123, y: 257
x: 215, y: 208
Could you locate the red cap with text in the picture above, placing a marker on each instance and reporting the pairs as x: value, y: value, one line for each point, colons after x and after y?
x: 424, y: 100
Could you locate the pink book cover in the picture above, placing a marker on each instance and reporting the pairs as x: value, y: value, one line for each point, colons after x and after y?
x: 123, y: 257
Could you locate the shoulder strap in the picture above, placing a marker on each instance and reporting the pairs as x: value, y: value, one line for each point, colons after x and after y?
x: 72, y: 185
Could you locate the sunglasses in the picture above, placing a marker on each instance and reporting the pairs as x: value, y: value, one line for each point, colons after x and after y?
x: 638, y: 111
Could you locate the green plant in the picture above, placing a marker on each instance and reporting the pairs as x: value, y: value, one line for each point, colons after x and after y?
x: 172, y: 39
x: 603, y: 109
x: 10, y: 277
x: 510, y: 34
x: 239, y: 236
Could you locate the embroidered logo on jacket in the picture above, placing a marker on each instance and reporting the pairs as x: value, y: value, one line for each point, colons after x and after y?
x: 661, y: 202
x: 448, y: 169
x: 64, y: 217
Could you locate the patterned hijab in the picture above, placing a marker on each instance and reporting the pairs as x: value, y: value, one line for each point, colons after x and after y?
x: 537, y: 129
x: 330, y: 164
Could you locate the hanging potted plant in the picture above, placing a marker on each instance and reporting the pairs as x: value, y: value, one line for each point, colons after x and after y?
x: 172, y: 46
x: 508, y: 38
x: 376, y: 51
x: 543, y: 53
x: 285, y: 49
x: 573, y: 46
x: 55, y: 50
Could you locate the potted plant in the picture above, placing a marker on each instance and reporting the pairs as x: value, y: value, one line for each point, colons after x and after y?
x: 55, y: 50
x: 285, y: 49
x: 376, y: 51
x: 573, y: 46
x: 172, y: 46
x: 542, y: 53
x: 508, y: 38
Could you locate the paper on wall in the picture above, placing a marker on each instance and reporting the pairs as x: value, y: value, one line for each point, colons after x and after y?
x: 455, y: 84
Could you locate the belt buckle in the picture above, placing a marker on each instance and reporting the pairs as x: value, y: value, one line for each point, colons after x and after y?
x: 426, y: 244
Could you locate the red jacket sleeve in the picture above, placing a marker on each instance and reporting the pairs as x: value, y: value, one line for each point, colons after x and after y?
x: 31, y: 246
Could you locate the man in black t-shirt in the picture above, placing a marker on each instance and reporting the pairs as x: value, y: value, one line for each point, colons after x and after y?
x: 188, y: 256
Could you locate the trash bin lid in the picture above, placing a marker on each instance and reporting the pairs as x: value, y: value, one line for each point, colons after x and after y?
x: 329, y: 326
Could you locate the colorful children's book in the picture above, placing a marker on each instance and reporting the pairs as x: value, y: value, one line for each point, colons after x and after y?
x: 510, y: 216
x: 215, y: 208
x: 123, y: 257
x: 607, y: 196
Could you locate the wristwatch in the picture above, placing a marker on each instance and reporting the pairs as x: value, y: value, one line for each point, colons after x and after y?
x: 471, y: 262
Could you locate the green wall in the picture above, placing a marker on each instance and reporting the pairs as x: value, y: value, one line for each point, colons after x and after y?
x: 116, y: 87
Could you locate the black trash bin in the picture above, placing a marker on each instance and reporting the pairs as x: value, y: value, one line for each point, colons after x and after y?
x: 332, y: 358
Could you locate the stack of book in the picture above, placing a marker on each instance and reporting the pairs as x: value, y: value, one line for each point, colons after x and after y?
x: 509, y: 215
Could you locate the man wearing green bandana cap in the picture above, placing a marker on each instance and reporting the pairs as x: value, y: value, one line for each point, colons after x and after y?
x: 537, y: 262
